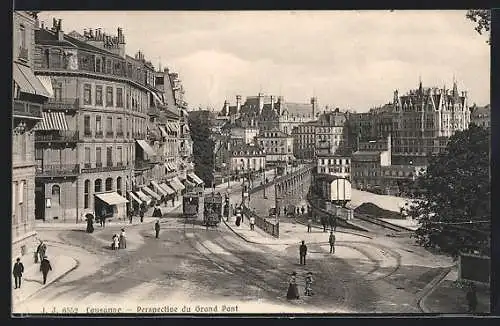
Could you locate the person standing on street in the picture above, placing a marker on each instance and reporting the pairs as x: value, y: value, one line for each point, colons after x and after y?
x: 173, y: 201
x: 309, y: 281
x: 471, y: 297
x: 157, y: 229
x: 293, y: 292
x: 309, y: 224
x: 123, y: 240
x: 18, y: 271
x: 252, y: 223
x: 130, y: 216
x: 41, y: 250
x: 331, y: 241
x: 45, y: 267
x: 303, y: 253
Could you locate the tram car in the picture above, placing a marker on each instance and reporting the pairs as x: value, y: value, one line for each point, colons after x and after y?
x: 333, y: 189
x: 191, y: 204
x: 212, y: 212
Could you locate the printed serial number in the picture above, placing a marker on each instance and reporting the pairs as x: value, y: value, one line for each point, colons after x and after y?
x: 69, y: 310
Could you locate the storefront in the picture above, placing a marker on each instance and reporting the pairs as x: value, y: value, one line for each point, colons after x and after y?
x: 195, y: 179
x: 144, y: 198
x: 148, y: 191
x: 110, y: 205
x: 135, y: 202
x: 177, y: 185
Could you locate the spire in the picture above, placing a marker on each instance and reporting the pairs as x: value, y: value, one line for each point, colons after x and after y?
x: 455, y: 88
x: 420, y: 88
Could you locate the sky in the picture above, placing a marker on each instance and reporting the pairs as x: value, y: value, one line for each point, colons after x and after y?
x: 347, y: 59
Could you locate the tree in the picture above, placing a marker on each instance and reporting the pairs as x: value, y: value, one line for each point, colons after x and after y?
x: 482, y: 19
x: 454, y: 207
x: 203, y: 146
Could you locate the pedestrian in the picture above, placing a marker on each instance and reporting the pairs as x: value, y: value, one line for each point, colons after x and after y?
x: 130, y: 215
x: 302, y: 210
x: 45, y: 267
x: 284, y: 211
x: 309, y: 224
x: 141, y: 214
x: 90, y: 224
x: 334, y: 222
x: 18, y: 271
x: 103, y: 219
x: 157, y: 229
x: 309, y: 281
x: 323, y: 222
x: 173, y: 201
x: 42, y: 249
x: 471, y: 297
x: 298, y: 211
x: 123, y: 240
x: 116, y: 242
x: 252, y: 223
x: 303, y: 253
x: 331, y: 241
x: 293, y: 292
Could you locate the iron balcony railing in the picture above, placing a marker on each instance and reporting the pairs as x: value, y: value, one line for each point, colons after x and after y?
x: 99, y: 169
x: 26, y: 109
x: 58, y: 136
x: 67, y: 104
x: 58, y: 170
x: 98, y: 134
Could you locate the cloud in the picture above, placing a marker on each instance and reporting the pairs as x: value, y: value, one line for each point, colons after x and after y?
x: 345, y: 58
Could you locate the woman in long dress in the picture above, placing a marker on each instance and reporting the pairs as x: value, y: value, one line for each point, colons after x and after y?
x: 116, y: 242
x: 123, y: 240
x: 293, y: 292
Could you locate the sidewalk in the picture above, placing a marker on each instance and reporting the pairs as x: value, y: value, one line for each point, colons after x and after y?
x: 32, y: 277
x: 448, y: 297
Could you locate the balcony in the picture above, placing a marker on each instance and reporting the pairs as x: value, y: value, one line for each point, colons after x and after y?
x: 109, y: 134
x: 99, y: 134
x: 23, y: 54
x: 143, y: 165
x: 58, y: 170
x: 99, y: 168
x: 26, y: 109
x: 62, y: 104
x: 58, y: 137
x: 119, y: 134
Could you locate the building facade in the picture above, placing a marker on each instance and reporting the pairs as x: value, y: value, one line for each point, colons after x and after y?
x: 332, y: 131
x: 481, y: 116
x: 367, y: 162
x: 339, y: 166
x: 277, y: 145
x: 247, y: 158
x: 28, y: 94
x: 304, y: 140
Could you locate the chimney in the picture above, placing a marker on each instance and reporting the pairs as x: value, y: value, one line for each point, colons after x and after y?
x: 43, y: 25
x: 261, y: 102
x: 272, y: 102
x: 226, y: 107
x: 60, y: 33
x: 313, y: 103
x: 238, y: 103
x: 91, y: 33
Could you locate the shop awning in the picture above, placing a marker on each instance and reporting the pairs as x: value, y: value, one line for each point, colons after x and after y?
x: 151, y: 193
x: 173, y: 166
x: 52, y: 121
x: 188, y: 183
x: 25, y: 78
x: 47, y: 84
x: 169, y: 190
x: 145, y: 146
x: 176, y: 184
x: 134, y: 197
x: 157, y: 98
x: 163, y: 131
x: 181, y: 177
x: 159, y: 189
x: 195, y: 178
x: 143, y: 197
x: 112, y: 198
x: 173, y: 126
x: 167, y: 167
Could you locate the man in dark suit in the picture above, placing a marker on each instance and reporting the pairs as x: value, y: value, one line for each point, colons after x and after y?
x: 45, y: 267
x: 157, y: 229
x: 18, y: 272
x: 303, y: 253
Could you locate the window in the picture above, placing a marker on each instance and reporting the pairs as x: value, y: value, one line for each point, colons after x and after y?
x: 86, y: 190
x: 98, y: 126
x: 108, y: 66
x: 119, y: 185
x: 87, y: 157
x: 56, y: 195
x: 57, y: 87
x: 119, y: 97
x: 98, y: 158
x: 98, y: 95
x: 109, y: 127
x: 119, y: 126
x: 109, y: 96
x: 22, y: 37
x: 22, y: 138
x: 109, y: 184
x: 87, y: 94
x: 86, y: 125
x: 109, y: 156
x: 98, y: 185
x: 120, y: 156
x: 98, y: 65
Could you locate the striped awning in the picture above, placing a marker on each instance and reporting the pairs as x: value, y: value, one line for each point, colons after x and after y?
x: 157, y: 98
x: 143, y: 197
x: 177, y: 184
x: 169, y: 190
x: 173, y: 126
x: 195, y: 178
x: 134, y: 197
x: 52, y: 121
x: 167, y: 167
x: 159, y: 189
x: 145, y: 146
x: 112, y: 198
x: 163, y: 131
x: 27, y: 81
x: 167, y: 126
x: 189, y: 184
x: 47, y: 83
x: 151, y: 193
x: 172, y: 166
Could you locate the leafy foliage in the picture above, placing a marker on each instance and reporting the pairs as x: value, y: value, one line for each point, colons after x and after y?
x: 482, y: 18
x: 203, y: 146
x: 454, y: 207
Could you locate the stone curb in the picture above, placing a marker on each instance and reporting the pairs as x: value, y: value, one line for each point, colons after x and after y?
x: 431, y: 287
